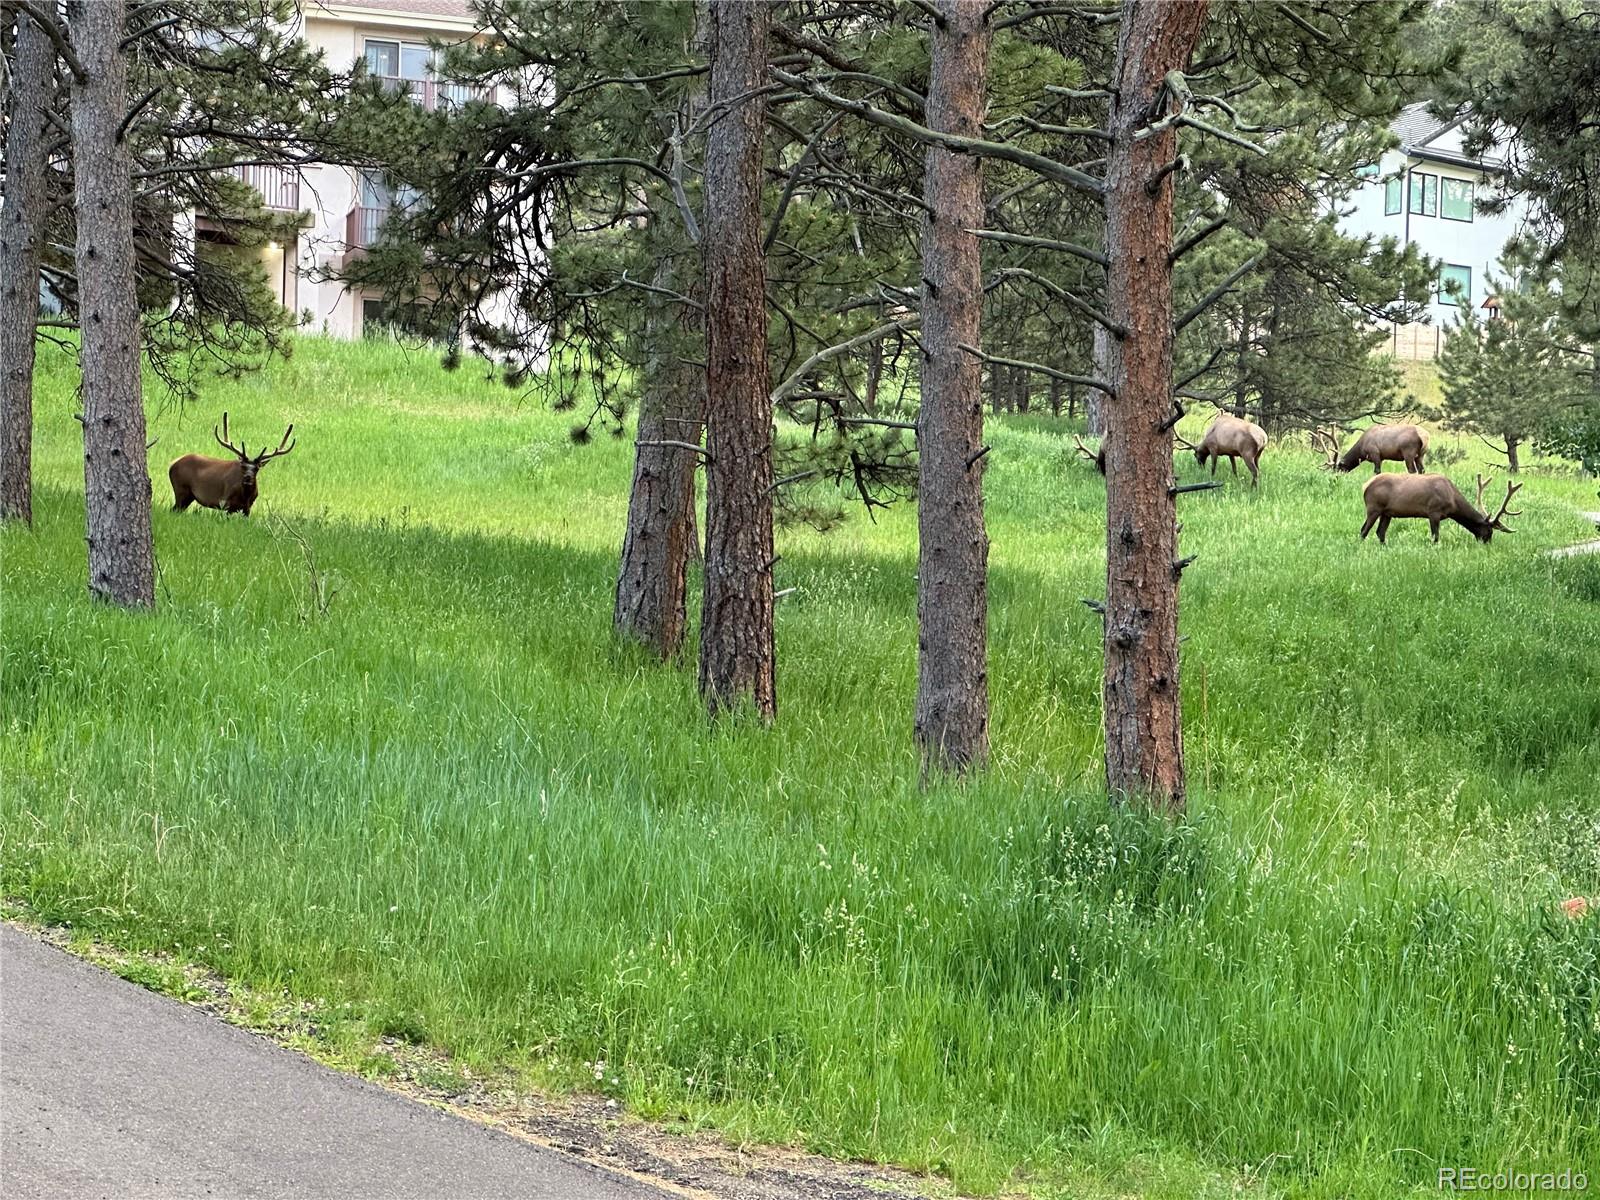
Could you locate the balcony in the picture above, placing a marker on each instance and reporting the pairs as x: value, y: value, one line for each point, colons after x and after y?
x: 432, y: 94
x: 279, y: 186
x: 361, y: 228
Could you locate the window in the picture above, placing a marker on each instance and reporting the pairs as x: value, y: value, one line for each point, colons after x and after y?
x: 1391, y: 197
x: 1455, y: 200
x: 1424, y: 194
x: 420, y: 321
x: 1459, y: 276
x: 383, y: 59
x: 379, y: 191
x: 1367, y: 170
x: 414, y: 68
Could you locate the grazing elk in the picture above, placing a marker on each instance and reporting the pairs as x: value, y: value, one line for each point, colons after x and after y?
x: 1437, y: 499
x: 1231, y: 438
x: 228, y: 484
x: 1097, y: 457
x: 1381, y: 444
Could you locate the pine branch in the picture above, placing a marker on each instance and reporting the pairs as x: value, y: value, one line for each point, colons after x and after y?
x: 1070, y: 298
x: 1218, y: 292
x: 1020, y: 239
x: 954, y: 143
x: 1040, y: 369
x: 791, y: 384
x: 57, y: 35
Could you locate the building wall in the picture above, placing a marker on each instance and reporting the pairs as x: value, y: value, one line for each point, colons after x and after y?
x: 1476, y: 245
x: 329, y: 193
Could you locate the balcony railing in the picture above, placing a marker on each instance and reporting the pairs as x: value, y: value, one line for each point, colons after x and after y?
x: 279, y: 186
x: 361, y: 226
x: 433, y: 94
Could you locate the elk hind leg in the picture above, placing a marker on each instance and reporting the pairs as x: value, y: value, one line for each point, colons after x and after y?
x: 181, y: 499
x: 1383, y: 529
x: 1433, y: 525
x: 1372, y: 519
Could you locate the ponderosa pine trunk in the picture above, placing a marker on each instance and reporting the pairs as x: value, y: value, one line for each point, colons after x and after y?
x: 952, y: 713
x: 662, y: 535
x: 1143, y: 715
x: 115, y: 475
x: 22, y: 222
x: 652, y: 582
x: 737, y: 654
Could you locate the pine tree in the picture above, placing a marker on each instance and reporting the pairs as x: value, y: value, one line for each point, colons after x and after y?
x: 952, y: 709
x: 737, y: 655
x: 1511, y: 377
x: 29, y: 134
x: 116, y: 479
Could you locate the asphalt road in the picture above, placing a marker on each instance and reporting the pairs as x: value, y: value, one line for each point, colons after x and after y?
x: 107, y: 1090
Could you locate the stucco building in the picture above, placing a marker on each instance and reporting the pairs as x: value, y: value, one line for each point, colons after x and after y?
x: 1425, y: 193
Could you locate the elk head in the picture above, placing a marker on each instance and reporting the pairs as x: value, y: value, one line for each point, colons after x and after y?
x: 1496, y: 521
x: 251, y: 466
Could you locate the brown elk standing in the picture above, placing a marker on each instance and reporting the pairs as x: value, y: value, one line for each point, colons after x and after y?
x: 1381, y: 444
x: 1433, y: 497
x: 1231, y: 438
x: 228, y: 484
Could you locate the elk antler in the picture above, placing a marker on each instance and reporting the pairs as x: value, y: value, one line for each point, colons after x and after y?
x: 1084, y: 450
x: 1323, y: 439
x: 283, y: 447
x: 223, y: 438
x: 1505, y: 508
x: 1183, y: 441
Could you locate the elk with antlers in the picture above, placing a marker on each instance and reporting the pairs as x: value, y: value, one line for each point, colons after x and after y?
x: 1378, y: 445
x: 228, y: 484
x: 1097, y: 457
x: 1437, y: 499
x: 1231, y: 438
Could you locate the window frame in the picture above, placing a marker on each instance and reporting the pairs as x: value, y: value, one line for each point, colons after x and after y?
x: 1394, y: 196
x: 1472, y: 198
x: 1417, y: 197
x: 401, y: 45
x: 1443, y: 297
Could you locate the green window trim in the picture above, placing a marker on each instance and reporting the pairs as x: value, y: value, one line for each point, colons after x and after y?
x: 1455, y: 273
x: 1456, y: 199
x: 1367, y: 170
x: 1391, y: 196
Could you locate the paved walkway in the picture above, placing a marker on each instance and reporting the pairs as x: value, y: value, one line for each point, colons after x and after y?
x: 107, y: 1090
x: 1591, y: 547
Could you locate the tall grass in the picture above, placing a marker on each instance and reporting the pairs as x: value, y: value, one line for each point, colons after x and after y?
x: 378, y: 747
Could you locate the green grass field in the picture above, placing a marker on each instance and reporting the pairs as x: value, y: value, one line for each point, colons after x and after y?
x: 379, y: 748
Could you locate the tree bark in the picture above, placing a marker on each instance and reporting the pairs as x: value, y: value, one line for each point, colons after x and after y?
x: 1512, y: 465
x: 737, y: 655
x: 1094, y: 400
x: 22, y: 222
x: 1143, y: 716
x: 115, y: 475
x: 1055, y: 396
x: 652, y: 582
x: 952, y: 712
x: 662, y: 536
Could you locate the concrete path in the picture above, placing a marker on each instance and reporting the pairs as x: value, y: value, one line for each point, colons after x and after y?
x: 1591, y: 547
x: 107, y: 1090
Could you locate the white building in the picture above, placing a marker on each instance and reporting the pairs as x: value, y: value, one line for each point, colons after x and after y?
x: 346, y: 208
x: 1424, y: 193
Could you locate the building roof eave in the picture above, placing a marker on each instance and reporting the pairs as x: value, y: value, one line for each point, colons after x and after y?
x: 1484, y: 166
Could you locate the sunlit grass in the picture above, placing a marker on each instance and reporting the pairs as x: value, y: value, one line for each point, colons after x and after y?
x: 379, y: 746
